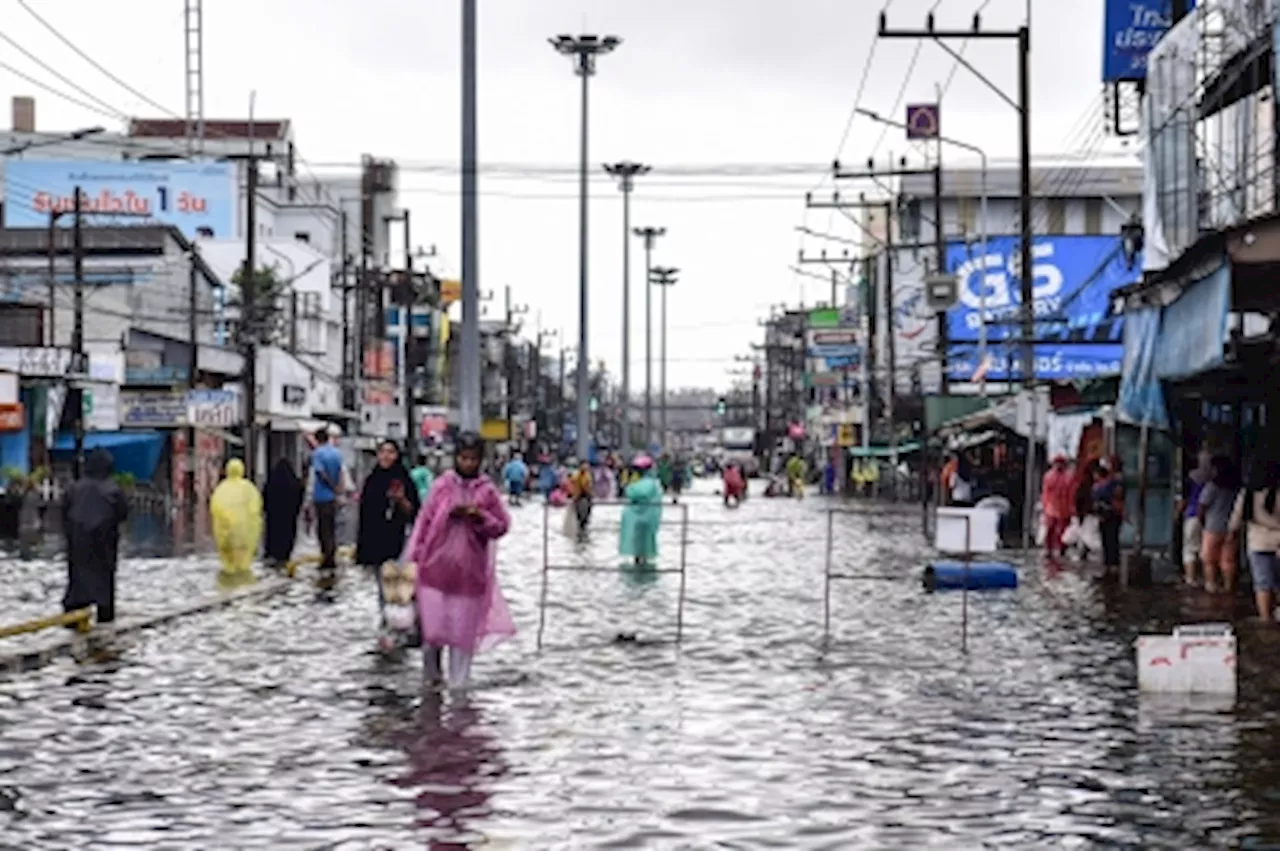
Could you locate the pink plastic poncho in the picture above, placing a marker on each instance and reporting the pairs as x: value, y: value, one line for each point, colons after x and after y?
x: 459, y: 602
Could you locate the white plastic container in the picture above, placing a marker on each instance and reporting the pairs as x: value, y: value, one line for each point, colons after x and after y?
x: 1196, y: 659
x: 983, y: 530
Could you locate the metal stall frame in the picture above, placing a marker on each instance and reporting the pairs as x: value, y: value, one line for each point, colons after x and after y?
x: 829, y: 576
x: 548, y: 567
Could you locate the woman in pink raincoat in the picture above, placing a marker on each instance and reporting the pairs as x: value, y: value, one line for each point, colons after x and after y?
x: 454, y: 545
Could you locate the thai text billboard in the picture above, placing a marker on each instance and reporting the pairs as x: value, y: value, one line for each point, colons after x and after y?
x: 1078, y: 335
x: 190, y: 196
x: 1130, y: 29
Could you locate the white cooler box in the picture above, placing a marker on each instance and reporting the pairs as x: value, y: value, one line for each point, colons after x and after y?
x: 1196, y: 659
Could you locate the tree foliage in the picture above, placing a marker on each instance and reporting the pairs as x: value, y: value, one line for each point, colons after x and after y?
x: 265, y: 318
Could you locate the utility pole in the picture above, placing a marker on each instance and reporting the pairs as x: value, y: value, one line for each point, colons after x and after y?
x: 626, y: 172
x: 469, y: 371
x: 891, y: 390
x: 193, y: 341
x: 564, y: 395
x: 344, y: 287
x: 944, y: 343
x: 1022, y: 105
x: 75, y: 396
x: 650, y: 236
x: 509, y: 357
x: 583, y: 49
x: 249, y: 321
x: 410, y: 362
x: 664, y: 277
x: 53, y: 276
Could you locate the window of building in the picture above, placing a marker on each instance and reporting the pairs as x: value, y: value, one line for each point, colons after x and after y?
x: 1057, y: 209
x: 967, y: 215
x: 1093, y: 215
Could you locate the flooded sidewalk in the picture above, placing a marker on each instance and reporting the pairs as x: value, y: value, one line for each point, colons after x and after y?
x: 276, y: 725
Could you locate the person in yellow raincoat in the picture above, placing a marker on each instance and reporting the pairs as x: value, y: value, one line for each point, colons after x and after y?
x: 236, y: 509
x: 797, y: 472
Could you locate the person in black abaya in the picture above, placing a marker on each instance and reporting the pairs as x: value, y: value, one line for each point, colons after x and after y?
x: 93, y: 511
x: 388, y: 505
x: 283, y: 501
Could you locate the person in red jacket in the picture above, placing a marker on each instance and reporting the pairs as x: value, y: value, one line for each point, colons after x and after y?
x: 1057, y: 497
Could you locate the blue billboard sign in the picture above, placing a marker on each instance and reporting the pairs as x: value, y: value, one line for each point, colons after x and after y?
x: 190, y: 196
x: 1130, y: 29
x: 1078, y: 334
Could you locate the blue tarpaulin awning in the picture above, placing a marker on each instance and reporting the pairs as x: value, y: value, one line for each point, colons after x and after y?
x: 135, y: 452
x: 882, y: 451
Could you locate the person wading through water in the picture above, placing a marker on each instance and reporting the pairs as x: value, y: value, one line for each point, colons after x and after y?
x: 283, y: 498
x: 326, y: 466
x: 93, y: 511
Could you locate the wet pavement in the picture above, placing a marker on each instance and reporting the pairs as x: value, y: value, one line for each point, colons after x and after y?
x: 274, y: 725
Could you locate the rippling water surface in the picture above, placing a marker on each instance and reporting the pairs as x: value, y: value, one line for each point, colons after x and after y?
x: 273, y: 725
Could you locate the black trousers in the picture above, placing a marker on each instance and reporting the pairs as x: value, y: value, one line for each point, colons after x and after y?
x: 1110, y: 526
x: 327, y: 532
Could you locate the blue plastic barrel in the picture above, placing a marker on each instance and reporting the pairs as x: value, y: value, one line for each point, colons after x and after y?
x: 981, y: 576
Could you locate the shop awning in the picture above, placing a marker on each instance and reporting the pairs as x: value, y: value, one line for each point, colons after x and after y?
x: 134, y: 452
x: 883, y: 451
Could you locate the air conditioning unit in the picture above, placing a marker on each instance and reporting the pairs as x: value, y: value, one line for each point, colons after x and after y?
x: 941, y: 292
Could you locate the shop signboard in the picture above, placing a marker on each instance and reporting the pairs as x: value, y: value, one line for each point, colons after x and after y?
x: 1130, y: 29
x: 213, y: 408
x: 153, y: 408
x: 194, y: 197
x: 1079, y: 335
x: 13, y: 417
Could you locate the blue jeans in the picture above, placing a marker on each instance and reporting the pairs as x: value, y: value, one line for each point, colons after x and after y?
x: 1265, y: 569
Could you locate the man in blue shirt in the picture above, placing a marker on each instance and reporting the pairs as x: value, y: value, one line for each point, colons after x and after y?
x: 326, y: 466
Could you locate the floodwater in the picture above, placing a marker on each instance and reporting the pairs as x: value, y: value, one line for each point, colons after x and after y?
x: 274, y: 726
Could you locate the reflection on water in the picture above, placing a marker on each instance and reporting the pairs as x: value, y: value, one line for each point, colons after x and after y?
x: 453, y: 763
x: 274, y: 725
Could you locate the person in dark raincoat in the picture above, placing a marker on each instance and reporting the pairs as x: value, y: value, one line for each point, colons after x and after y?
x: 93, y: 511
x: 283, y: 500
x: 388, y: 505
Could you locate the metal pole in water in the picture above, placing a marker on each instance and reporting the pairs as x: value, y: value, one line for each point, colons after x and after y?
x: 826, y: 589
x: 546, y: 560
x: 684, y: 546
x: 964, y: 592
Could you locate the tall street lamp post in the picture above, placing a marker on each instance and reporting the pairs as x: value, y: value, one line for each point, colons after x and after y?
x: 626, y: 172
x: 665, y: 277
x: 583, y: 49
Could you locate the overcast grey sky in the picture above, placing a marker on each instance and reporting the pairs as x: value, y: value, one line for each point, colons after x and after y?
x: 699, y: 82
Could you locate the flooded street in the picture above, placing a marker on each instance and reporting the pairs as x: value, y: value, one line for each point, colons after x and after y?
x: 274, y: 725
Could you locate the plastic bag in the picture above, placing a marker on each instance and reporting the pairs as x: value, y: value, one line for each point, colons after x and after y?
x: 1091, y: 534
x: 1071, y: 536
x: 457, y: 565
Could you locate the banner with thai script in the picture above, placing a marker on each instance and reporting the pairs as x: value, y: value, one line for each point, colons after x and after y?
x: 194, y: 197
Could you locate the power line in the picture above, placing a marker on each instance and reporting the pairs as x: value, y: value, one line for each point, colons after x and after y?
x: 58, y: 74
x: 87, y: 58
x: 58, y: 92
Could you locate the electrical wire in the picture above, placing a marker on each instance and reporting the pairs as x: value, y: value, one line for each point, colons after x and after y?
x: 89, y: 59
x: 59, y: 75
x: 57, y: 92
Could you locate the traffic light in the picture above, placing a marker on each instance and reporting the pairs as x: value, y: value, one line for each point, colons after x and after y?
x: 722, y: 407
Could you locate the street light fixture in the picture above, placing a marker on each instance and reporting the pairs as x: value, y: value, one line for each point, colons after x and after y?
x: 583, y: 49
x: 626, y: 172
x: 982, y: 215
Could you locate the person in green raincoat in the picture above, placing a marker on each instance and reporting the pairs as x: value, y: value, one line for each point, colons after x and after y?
x: 642, y: 516
x: 665, y: 472
x: 422, y: 478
